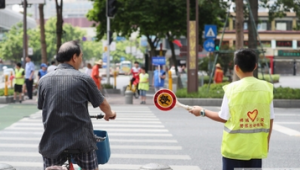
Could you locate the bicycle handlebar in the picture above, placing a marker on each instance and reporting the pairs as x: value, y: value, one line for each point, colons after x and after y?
x: 99, y: 116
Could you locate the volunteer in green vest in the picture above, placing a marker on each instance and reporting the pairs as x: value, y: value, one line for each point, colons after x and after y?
x: 19, y: 82
x: 143, y: 84
x: 247, y: 113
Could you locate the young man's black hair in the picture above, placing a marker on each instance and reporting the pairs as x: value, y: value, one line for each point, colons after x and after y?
x: 19, y: 64
x: 67, y: 50
x: 136, y: 62
x: 52, y: 62
x: 245, y: 59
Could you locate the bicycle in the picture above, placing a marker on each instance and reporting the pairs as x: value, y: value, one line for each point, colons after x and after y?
x: 133, y: 86
x: 68, y: 165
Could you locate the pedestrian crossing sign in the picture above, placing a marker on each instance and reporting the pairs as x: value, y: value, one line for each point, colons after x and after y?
x: 210, y: 31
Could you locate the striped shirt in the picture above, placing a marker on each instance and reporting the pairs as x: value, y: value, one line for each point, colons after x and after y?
x: 63, y: 97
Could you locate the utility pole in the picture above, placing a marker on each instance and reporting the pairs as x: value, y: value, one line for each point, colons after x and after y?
x: 239, y: 27
x: 25, y: 45
x: 108, y: 51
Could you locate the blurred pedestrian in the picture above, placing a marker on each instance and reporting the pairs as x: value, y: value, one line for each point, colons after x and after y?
x: 42, y: 71
x: 52, y: 67
x: 218, y: 78
x: 143, y: 84
x: 88, y: 69
x: 95, y: 73
x: 19, y: 82
x: 29, y: 76
x: 158, y: 79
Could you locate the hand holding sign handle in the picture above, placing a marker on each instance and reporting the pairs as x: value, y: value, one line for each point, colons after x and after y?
x: 165, y: 100
x: 186, y: 107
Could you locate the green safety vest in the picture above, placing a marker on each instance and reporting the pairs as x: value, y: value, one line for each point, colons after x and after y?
x: 145, y: 85
x: 18, y: 75
x: 245, y: 134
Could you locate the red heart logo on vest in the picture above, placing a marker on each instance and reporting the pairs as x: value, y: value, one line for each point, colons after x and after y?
x: 252, y: 115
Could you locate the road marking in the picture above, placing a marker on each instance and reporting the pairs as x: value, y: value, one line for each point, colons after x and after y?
x: 39, y: 125
x: 118, y: 156
x: 122, y: 119
x: 3, y: 105
x: 287, y: 114
x: 105, y: 166
x: 26, y: 133
x: 288, y: 123
x: 107, y: 129
x: 285, y: 130
x: 26, y: 120
x: 110, y: 140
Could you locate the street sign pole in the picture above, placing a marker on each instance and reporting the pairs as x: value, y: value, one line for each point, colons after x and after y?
x: 108, y: 55
x: 25, y: 46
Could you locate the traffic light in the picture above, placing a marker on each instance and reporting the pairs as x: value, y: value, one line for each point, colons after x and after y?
x: 110, y: 37
x: 2, y: 4
x: 217, y: 43
x: 111, y: 8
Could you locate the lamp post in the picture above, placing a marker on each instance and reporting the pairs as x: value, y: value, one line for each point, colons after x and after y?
x: 25, y: 45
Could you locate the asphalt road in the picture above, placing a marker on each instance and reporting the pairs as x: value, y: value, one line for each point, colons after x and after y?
x: 143, y: 134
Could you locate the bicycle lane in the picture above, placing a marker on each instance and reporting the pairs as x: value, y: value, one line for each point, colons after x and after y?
x: 12, y: 113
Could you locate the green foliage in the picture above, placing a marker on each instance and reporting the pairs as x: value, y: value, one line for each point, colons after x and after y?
x: 280, y: 7
x: 107, y: 86
x: 286, y: 93
x: 156, y: 17
x: 12, y: 44
x: 11, y: 48
x: 266, y: 77
x: 216, y: 91
x: 10, y: 92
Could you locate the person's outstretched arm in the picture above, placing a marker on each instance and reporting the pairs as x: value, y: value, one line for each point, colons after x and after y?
x: 208, y: 113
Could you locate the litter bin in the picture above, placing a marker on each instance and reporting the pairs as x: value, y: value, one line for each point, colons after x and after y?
x: 128, y: 97
x: 6, y: 167
x: 154, y: 166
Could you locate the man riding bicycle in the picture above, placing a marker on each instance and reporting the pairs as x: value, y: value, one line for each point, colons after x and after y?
x: 63, y: 96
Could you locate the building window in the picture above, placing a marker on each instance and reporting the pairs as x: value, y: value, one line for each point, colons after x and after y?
x: 284, y: 44
x: 284, y: 25
x: 298, y: 43
x: 263, y: 26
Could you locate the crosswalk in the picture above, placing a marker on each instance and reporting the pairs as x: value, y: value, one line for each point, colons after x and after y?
x: 137, y: 137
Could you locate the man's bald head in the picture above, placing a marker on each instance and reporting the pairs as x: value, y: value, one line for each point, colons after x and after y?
x: 67, y: 51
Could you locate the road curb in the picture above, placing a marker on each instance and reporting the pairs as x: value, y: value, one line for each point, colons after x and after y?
x: 283, y: 103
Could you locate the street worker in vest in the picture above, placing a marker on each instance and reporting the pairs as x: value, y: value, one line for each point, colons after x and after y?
x: 42, y: 71
x: 143, y: 84
x: 19, y: 81
x: 218, y: 78
x: 247, y: 113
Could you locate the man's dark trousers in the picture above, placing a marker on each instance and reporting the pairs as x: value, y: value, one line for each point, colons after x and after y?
x: 29, y: 84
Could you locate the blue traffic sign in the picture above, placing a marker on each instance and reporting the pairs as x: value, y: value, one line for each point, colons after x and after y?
x: 210, y: 31
x: 158, y: 60
x: 209, y: 45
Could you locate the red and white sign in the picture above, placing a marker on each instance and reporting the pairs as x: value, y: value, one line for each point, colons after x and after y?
x: 165, y: 100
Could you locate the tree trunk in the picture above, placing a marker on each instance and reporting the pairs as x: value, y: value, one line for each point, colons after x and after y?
x: 43, y: 36
x: 170, y: 41
x: 252, y: 36
x: 239, y: 27
x: 152, y: 51
x: 59, y: 23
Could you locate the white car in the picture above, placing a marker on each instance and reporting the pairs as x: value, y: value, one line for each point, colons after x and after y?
x: 7, y: 71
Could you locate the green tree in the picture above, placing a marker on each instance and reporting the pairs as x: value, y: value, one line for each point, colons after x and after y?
x: 11, y: 47
x: 155, y: 19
